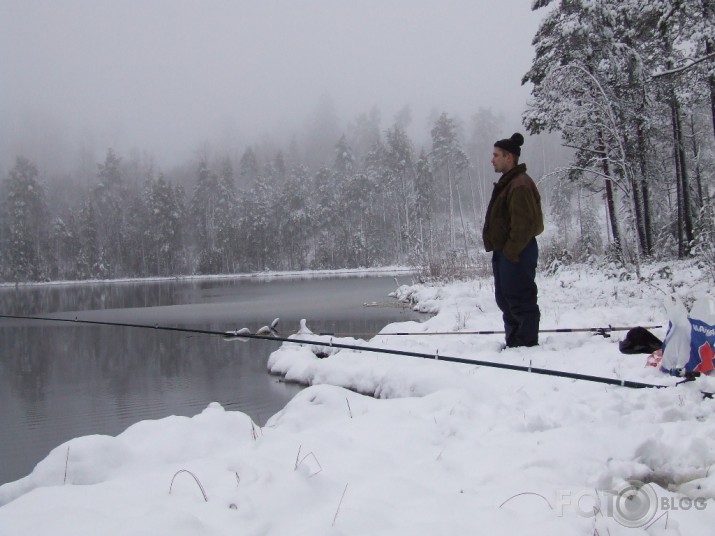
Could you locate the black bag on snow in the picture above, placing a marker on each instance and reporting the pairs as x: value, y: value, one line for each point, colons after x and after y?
x: 640, y: 341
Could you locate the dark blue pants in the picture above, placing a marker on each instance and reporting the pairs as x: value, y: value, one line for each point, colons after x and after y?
x: 516, y: 292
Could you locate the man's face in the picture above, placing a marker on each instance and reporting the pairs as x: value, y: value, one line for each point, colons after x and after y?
x: 502, y: 160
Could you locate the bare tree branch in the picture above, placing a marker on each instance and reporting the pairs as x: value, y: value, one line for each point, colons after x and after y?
x: 682, y: 68
x: 585, y: 149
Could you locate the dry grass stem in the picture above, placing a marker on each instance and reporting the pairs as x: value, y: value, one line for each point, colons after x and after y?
x: 339, y: 504
x: 198, y: 483
x: 67, y: 460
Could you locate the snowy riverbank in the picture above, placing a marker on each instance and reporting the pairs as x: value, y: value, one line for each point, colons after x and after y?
x: 443, y: 449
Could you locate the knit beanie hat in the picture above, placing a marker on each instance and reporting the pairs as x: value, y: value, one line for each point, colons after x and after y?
x: 512, y: 145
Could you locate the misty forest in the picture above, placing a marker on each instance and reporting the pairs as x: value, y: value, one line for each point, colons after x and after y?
x: 620, y: 137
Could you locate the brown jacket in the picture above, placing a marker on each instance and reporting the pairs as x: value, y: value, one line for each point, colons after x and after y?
x: 514, y: 214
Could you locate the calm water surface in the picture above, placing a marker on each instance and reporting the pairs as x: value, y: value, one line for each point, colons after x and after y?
x: 64, y: 380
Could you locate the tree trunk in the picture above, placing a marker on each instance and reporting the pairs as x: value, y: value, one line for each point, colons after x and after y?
x: 399, y: 235
x: 685, y: 218
x: 405, y: 198
x: 613, y: 218
x: 695, y: 146
x: 464, y: 227
x: 638, y: 208
x: 647, y: 218
x: 641, y: 193
x: 452, y: 243
x: 711, y: 83
x: 645, y: 191
x: 474, y: 200
x: 678, y: 186
x: 611, y: 205
x: 709, y: 15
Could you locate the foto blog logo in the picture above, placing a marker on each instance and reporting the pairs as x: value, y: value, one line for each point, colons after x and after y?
x: 633, y: 505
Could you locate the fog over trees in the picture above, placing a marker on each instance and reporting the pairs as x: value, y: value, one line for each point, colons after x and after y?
x: 364, y: 197
x: 620, y: 137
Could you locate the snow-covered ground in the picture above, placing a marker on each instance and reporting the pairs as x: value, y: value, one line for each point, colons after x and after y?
x: 440, y: 448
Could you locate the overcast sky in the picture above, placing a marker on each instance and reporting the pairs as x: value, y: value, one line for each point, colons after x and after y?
x: 167, y: 75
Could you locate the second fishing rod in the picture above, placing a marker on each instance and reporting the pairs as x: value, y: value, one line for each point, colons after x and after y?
x: 269, y: 333
x: 604, y: 331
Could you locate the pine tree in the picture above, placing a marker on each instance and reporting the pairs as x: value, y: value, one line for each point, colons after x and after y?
x: 344, y: 159
x: 398, y: 179
x: 326, y: 216
x: 140, y: 261
x: 295, y: 222
x: 561, y: 211
x: 108, y: 200
x: 92, y: 261
x: 248, y: 168
x: 364, y: 135
x: 590, y: 241
x: 227, y: 219
x: 65, y: 249
x: 203, y: 212
x: 259, y: 235
x: 164, y: 227
x: 424, y: 205
x: 446, y: 151
x: 25, y: 235
x: 356, y: 243
x: 322, y: 134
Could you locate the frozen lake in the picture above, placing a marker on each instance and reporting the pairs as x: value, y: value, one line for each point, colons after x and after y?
x: 63, y: 380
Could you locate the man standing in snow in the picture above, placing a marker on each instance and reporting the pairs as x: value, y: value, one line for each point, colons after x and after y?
x: 514, y: 218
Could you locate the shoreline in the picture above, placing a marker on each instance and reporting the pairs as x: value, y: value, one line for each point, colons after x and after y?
x: 351, y: 272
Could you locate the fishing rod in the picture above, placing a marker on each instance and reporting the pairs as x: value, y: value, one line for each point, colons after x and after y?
x: 603, y: 331
x: 126, y: 325
x: 269, y: 333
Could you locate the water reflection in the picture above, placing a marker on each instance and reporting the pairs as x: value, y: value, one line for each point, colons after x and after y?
x: 50, y: 298
x: 62, y: 380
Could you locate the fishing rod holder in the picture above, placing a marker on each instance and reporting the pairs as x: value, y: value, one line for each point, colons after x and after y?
x: 603, y: 332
